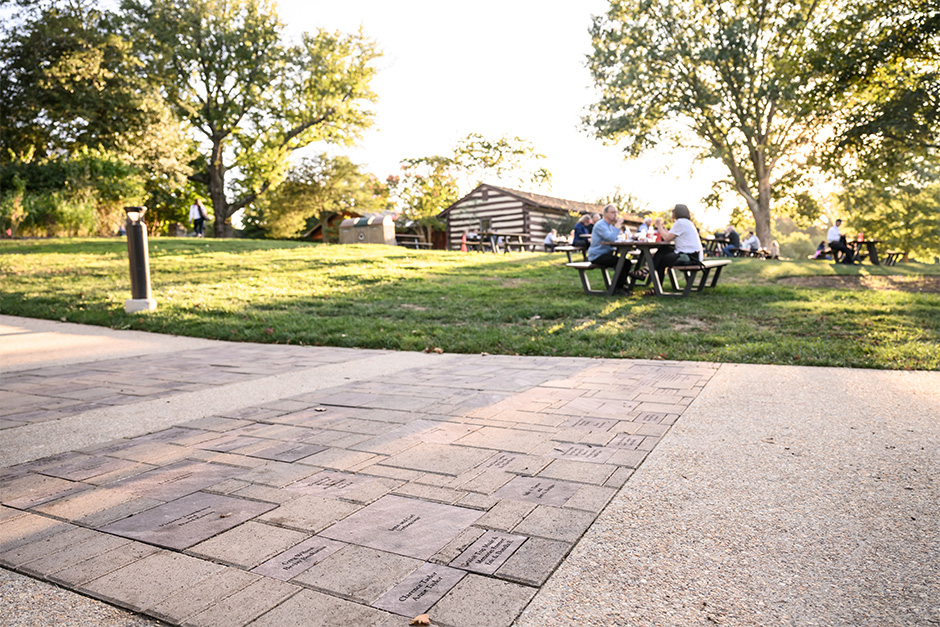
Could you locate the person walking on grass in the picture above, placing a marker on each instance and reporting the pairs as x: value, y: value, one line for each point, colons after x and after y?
x: 198, y: 215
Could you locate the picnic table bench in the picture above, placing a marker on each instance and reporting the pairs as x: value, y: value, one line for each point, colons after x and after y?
x: 689, y: 272
x: 501, y: 242
x: 572, y: 249
x: 409, y: 240
x: 644, y: 251
x: 893, y: 256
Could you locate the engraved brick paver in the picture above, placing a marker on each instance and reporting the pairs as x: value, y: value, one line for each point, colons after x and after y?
x: 455, y: 490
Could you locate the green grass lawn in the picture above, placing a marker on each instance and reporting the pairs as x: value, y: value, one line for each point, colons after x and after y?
x: 772, y: 312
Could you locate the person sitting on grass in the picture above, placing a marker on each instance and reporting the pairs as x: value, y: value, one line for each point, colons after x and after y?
x: 600, y: 254
x: 688, y: 245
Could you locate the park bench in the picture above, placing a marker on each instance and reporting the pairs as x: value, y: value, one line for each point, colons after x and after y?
x: 689, y: 273
x: 893, y: 257
x: 572, y: 249
x: 583, y: 267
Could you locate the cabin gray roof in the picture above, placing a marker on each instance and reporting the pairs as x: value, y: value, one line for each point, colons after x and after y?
x: 549, y: 201
x: 538, y: 200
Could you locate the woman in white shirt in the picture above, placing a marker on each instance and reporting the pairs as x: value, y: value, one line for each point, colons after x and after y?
x: 688, y: 245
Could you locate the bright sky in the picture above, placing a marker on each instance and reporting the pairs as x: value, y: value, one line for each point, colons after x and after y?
x: 508, y: 67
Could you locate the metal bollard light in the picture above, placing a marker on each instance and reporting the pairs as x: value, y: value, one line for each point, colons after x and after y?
x: 139, y: 257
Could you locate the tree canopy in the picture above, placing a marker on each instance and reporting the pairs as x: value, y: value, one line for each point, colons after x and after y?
x: 751, y: 83
x: 252, y: 97
x: 82, y: 132
x: 316, y: 189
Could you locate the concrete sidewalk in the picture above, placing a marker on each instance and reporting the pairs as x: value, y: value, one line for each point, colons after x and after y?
x: 691, y: 493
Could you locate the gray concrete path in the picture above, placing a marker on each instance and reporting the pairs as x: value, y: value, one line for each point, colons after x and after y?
x: 214, y: 483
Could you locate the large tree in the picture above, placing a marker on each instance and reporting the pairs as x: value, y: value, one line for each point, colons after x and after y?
x: 254, y: 98
x: 885, y: 56
x: 315, y: 189
x: 81, y: 130
x: 732, y: 75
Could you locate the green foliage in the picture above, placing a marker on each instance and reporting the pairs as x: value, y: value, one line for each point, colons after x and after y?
x: 625, y: 201
x: 477, y: 158
x: 428, y: 185
x: 425, y: 187
x: 883, y: 54
x: 78, y: 194
x: 395, y: 298
x: 316, y: 189
x: 252, y: 97
x: 797, y: 245
x: 751, y: 83
x: 82, y: 132
x: 70, y: 81
x: 905, y: 218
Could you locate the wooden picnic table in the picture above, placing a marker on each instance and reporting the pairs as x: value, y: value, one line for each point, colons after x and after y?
x: 410, y: 240
x: 499, y: 239
x: 870, y: 244
x: 643, y: 251
x: 714, y: 245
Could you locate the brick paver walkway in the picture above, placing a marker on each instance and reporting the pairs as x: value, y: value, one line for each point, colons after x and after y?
x: 454, y: 490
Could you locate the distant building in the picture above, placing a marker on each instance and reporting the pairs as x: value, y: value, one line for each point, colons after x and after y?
x: 491, y: 208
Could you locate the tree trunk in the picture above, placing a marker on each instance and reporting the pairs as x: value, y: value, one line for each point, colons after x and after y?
x: 220, y: 208
x: 761, y: 211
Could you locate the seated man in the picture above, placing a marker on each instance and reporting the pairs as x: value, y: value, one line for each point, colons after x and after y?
x: 837, y: 243
x: 688, y: 245
x: 751, y: 242
x: 607, y: 230
x: 734, y: 242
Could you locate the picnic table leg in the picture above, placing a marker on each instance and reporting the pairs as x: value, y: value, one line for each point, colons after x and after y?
x: 654, y: 277
x: 618, y: 271
x: 873, y: 253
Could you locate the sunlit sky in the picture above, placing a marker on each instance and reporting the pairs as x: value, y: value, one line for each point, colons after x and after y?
x: 513, y: 67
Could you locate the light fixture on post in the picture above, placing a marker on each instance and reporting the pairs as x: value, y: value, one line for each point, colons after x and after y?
x: 139, y: 257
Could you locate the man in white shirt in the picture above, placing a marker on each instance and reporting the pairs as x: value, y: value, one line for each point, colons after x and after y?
x: 837, y: 243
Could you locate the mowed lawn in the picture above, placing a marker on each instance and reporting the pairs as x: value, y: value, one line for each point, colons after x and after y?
x: 774, y: 312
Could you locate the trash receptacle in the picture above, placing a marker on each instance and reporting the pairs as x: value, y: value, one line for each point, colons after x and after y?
x: 368, y: 230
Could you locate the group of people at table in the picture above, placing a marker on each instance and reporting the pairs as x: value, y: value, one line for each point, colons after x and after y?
x: 685, y: 246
